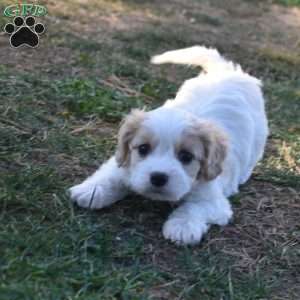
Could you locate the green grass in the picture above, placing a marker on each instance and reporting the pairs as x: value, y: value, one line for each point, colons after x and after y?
x: 289, y: 2
x: 51, y: 250
x: 58, y: 122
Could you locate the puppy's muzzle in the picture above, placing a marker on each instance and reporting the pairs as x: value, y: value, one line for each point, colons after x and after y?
x: 158, y: 179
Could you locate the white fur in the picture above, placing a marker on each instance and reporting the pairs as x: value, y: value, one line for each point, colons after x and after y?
x: 224, y: 96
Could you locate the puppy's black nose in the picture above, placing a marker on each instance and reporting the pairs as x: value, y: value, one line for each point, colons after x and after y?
x: 159, y: 179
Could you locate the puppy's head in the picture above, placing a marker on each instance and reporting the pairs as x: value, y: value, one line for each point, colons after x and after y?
x: 167, y: 151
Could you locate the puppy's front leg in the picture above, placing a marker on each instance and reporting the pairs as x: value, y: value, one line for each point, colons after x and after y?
x: 104, y: 187
x: 204, y: 206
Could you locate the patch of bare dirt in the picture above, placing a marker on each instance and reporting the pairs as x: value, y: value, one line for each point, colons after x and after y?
x: 231, y: 23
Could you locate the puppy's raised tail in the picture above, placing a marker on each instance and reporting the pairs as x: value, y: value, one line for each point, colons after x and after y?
x: 208, y: 58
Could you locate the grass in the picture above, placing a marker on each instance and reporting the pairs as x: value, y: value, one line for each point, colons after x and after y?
x: 289, y: 2
x: 60, y: 106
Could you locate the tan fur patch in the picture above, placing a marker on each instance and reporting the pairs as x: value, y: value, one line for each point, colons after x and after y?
x: 214, y: 147
x: 127, y: 131
x: 192, y: 144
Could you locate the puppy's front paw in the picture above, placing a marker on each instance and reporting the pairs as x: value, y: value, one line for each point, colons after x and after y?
x: 87, y: 196
x: 224, y: 217
x: 183, y: 231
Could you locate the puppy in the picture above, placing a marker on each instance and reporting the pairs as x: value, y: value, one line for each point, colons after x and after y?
x: 195, y: 150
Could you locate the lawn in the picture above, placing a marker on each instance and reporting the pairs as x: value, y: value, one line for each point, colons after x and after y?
x: 60, y: 107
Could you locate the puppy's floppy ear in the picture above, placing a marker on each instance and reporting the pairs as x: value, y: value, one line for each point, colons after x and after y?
x: 128, y: 129
x: 215, y: 144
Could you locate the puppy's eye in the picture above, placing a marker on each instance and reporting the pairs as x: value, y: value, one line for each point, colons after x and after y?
x: 144, y: 149
x: 185, y: 157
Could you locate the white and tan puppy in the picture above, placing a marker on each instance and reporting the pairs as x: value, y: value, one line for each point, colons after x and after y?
x: 195, y: 150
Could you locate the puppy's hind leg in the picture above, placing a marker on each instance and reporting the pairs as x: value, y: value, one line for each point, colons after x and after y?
x: 104, y: 187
